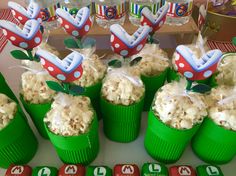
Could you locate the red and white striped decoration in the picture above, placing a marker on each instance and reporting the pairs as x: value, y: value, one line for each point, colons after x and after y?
x: 5, y: 14
x: 223, y: 46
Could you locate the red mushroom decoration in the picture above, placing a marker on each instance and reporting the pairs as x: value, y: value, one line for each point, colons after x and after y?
x: 22, y: 14
x: 77, y: 26
x: 124, y: 44
x: 27, y: 38
x: 154, y: 21
x: 67, y: 70
x: 194, y: 68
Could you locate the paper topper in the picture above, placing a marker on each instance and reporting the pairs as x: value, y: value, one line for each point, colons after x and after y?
x: 194, y: 68
x: 127, y: 45
x: 77, y: 26
x: 27, y: 38
x: 22, y: 14
x: 154, y: 21
x: 67, y: 70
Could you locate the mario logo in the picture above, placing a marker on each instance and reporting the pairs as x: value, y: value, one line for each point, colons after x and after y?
x: 181, y: 9
x: 110, y: 12
x: 45, y: 14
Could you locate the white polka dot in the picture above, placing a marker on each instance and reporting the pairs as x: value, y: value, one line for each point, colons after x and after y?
x: 181, y: 65
x: 207, y: 74
x: 139, y: 47
x: 124, y: 53
x: 112, y: 38
x: 86, y: 28
x: 42, y: 61
x: 117, y: 45
x: 67, y: 26
x: 61, y: 77
x: 60, y: 20
x: 77, y: 74
x: 51, y: 69
x: 188, y: 74
x: 161, y: 23
x: 75, y: 33
x: 13, y: 12
x: 20, y: 18
x: 177, y: 57
x: 12, y: 38
x: 112, y: 48
x: 23, y: 45
x: 37, y: 40
x: 4, y: 32
x: 142, y: 18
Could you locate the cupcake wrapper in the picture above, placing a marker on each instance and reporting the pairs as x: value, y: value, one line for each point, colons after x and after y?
x: 93, y: 92
x: 172, y: 75
x: 164, y: 143
x: 81, y: 149
x: 18, y: 143
x: 152, y: 84
x: 37, y: 113
x: 214, y: 144
x: 121, y: 123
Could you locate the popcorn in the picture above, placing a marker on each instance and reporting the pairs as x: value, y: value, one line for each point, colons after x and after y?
x: 120, y: 87
x: 32, y: 65
x: 154, y: 61
x: 69, y: 115
x: 35, y: 89
x: 178, y: 108
x: 227, y: 71
x: 8, y: 109
x: 93, y: 71
x: 222, y: 106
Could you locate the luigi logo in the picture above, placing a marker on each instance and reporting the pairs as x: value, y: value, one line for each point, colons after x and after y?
x: 110, y: 12
x: 181, y: 9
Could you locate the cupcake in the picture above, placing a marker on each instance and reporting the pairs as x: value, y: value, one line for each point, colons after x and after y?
x: 215, y: 142
x: 226, y: 68
x: 122, y: 98
x: 18, y: 143
x: 72, y: 127
x: 93, y: 72
x: 36, y: 97
x: 174, y: 118
x: 153, y: 70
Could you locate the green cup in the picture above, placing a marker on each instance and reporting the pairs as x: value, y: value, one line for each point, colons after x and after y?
x: 18, y: 143
x: 164, y: 143
x: 37, y: 113
x: 152, y: 84
x: 93, y: 92
x: 121, y: 123
x: 173, y: 75
x: 81, y: 149
x: 214, y: 144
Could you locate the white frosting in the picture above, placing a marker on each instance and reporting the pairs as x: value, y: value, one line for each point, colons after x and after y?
x: 222, y: 106
x: 227, y: 71
x: 69, y: 115
x: 120, y: 87
x: 178, y: 108
x: 8, y: 109
x: 34, y: 87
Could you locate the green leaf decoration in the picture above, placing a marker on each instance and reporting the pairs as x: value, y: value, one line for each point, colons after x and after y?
x: 36, y: 58
x: 76, y: 90
x: 42, y: 29
x: 55, y: 86
x: 234, y: 41
x: 88, y: 42
x: 201, y: 88
x: 71, y: 43
x: 18, y: 54
x: 135, y: 61
x: 115, y: 63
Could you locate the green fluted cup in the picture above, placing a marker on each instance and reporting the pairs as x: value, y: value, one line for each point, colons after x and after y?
x: 214, y: 144
x: 81, y: 149
x: 152, y: 84
x: 121, y: 123
x: 37, y: 113
x: 164, y: 143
